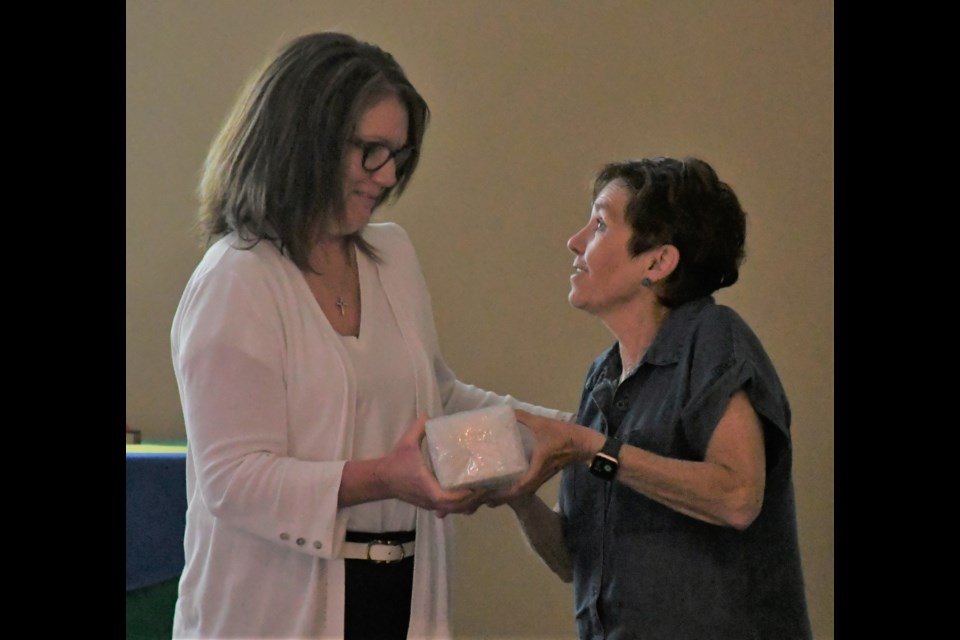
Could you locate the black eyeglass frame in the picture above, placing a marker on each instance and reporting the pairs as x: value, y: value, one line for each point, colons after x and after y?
x: 367, y: 148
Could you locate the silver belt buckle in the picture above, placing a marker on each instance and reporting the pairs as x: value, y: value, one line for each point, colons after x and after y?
x: 385, y: 543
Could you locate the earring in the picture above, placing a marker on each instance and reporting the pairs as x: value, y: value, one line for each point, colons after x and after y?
x: 646, y: 282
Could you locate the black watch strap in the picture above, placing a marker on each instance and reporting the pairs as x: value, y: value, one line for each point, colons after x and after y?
x: 605, y: 464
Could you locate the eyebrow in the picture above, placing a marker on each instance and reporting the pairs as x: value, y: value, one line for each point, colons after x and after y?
x: 601, y: 204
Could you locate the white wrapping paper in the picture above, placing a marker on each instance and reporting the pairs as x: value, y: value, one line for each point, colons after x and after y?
x: 480, y: 448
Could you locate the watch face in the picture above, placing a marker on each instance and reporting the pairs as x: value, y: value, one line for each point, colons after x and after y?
x: 604, y: 466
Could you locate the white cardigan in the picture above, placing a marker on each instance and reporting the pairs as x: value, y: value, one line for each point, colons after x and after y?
x: 268, y: 396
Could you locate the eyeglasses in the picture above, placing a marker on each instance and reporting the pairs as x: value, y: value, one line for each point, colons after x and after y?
x: 376, y: 154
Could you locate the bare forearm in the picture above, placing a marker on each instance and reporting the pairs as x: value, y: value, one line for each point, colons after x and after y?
x: 362, y: 481
x: 703, y: 490
x: 726, y: 488
x: 543, y: 529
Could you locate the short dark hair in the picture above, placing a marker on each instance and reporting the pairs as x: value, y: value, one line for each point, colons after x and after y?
x: 682, y: 203
x: 276, y: 168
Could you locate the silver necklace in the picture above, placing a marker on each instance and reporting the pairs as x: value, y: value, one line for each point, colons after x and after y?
x: 340, y: 302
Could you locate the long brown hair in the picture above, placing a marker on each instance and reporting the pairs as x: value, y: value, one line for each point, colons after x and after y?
x: 275, y: 170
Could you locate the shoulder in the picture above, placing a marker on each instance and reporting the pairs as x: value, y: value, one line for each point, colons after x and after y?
x: 393, y: 245
x: 387, y: 236
x: 738, y: 350
x: 231, y: 255
x: 714, y: 317
x: 711, y: 337
x: 723, y: 354
x: 233, y: 270
x: 725, y: 324
x: 710, y: 322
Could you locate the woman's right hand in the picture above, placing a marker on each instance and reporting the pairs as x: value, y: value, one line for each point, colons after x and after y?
x: 408, y: 477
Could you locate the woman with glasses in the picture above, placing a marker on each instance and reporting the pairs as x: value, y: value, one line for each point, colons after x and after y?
x: 307, y: 362
x: 676, y: 517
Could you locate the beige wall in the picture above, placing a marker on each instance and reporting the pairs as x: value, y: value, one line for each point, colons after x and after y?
x: 529, y: 98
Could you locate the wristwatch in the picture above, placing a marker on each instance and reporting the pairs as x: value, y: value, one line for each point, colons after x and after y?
x: 607, y: 460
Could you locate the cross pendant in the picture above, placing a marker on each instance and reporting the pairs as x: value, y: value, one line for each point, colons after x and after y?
x: 340, y: 304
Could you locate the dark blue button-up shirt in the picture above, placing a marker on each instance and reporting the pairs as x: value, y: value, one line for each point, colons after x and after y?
x: 645, y: 571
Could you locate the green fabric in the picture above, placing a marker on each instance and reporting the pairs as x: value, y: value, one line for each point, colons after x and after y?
x: 150, y: 611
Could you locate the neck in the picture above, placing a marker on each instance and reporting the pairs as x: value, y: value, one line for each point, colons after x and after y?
x: 332, y: 254
x: 634, y: 338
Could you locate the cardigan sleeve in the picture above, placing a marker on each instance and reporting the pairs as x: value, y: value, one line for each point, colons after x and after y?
x: 460, y: 396
x: 229, y: 358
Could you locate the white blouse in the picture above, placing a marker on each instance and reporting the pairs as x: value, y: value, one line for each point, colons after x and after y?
x: 386, y: 398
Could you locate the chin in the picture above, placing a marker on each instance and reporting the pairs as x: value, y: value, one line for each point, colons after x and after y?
x: 357, y: 221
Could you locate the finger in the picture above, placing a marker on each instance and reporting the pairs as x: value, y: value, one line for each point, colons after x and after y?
x: 453, y: 501
x: 475, y: 501
x: 495, y: 498
x: 480, y: 495
x: 529, y: 479
x: 523, y: 416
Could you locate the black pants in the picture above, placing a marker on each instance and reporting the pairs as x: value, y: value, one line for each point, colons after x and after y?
x: 377, y: 605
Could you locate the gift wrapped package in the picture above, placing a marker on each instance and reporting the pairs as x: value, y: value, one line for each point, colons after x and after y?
x: 479, y: 448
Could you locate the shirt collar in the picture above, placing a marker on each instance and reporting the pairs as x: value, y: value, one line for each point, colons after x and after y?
x: 667, y: 347
x: 668, y: 344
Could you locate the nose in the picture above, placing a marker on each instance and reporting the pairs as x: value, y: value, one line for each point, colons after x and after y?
x: 575, y: 243
x: 386, y: 176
